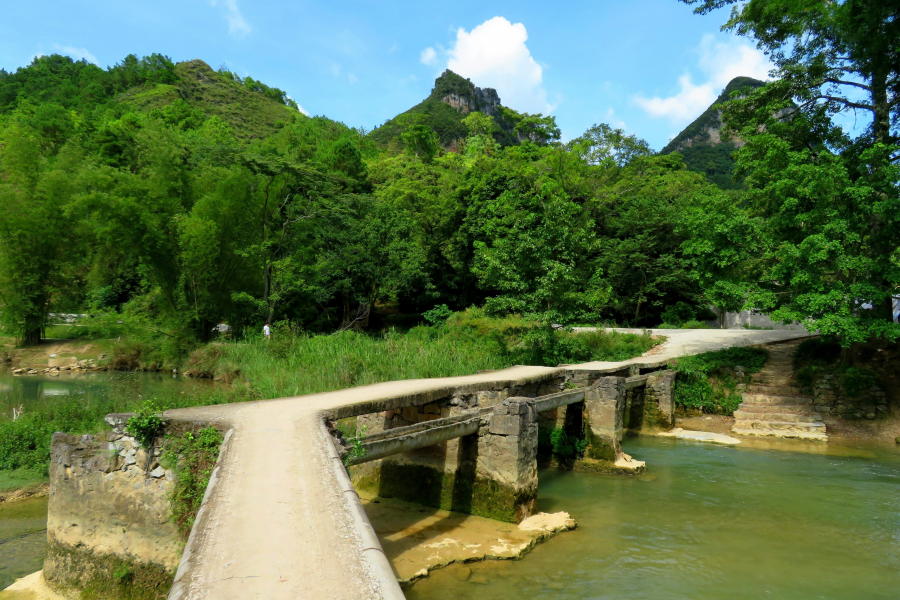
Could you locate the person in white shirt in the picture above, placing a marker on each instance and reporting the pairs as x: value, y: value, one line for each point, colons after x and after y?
x: 267, y: 332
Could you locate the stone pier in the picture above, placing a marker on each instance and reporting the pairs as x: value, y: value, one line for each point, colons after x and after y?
x: 479, y: 455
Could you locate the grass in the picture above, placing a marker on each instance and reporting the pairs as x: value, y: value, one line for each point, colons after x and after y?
x: 292, y: 364
x: 708, y: 381
x: 20, y: 478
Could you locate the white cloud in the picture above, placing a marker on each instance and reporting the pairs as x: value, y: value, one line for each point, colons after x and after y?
x: 720, y: 62
x: 394, y: 48
x: 494, y: 54
x: 76, y: 53
x: 612, y: 119
x: 352, y: 78
x: 237, y: 25
x: 300, y: 108
x: 428, y: 56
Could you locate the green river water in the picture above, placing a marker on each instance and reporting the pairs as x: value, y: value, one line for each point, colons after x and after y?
x: 705, y: 522
x: 709, y: 522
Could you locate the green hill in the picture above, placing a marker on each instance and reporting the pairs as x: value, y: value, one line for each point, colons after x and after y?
x: 252, y: 108
x: 452, y: 98
x: 701, y: 143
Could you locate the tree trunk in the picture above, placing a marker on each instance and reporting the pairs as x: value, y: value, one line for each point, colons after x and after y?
x: 32, y: 334
x: 881, y: 125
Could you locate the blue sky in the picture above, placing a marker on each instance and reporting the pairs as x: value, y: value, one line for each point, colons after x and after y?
x: 649, y: 66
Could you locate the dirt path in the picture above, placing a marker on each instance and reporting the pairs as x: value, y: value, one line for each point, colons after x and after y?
x: 278, y: 525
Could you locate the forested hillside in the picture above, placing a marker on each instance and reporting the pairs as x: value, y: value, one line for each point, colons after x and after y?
x: 174, y: 198
x: 702, y: 144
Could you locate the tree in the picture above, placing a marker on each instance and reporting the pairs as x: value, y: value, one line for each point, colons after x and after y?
x: 34, y: 232
x: 421, y: 141
x: 479, y: 123
x: 832, y: 57
x: 826, y: 204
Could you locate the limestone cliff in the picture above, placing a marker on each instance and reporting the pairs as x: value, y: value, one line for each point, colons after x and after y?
x: 451, y: 99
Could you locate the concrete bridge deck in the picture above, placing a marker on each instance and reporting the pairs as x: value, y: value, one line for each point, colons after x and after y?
x: 278, y: 522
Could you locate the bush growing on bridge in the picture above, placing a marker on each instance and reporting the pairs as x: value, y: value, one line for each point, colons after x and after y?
x: 192, y: 456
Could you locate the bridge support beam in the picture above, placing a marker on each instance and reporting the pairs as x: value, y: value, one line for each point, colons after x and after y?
x: 507, y: 461
x: 604, y: 411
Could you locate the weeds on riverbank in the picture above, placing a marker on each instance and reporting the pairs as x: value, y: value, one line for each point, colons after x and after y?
x: 708, y: 381
x: 293, y: 363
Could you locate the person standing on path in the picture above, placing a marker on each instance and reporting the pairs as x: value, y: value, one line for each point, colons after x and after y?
x: 267, y: 332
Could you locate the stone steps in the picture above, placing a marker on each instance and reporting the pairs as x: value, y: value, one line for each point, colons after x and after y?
x: 773, y: 407
x: 799, y: 409
x: 817, y: 437
x: 785, y: 417
x: 773, y: 381
x: 779, y: 425
x: 763, y: 399
x: 773, y: 390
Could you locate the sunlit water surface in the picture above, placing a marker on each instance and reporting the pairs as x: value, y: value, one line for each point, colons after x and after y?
x: 23, y: 538
x: 709, y: 522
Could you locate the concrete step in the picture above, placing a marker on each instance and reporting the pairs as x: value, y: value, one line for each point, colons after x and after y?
x: 783, y: 417
x: 772, y: 380
x: 815, y: 437
x: 776, y: 369
x: 779, y: 425
x: 797, y: 409
x: 751, y: 398
x: 773, y: 390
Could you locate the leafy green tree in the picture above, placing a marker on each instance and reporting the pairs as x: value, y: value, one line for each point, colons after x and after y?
x: 825, y: 205
x: 34, y: 232
x: 832, y: 57
x: 422, y: 142
x: 479, y: 123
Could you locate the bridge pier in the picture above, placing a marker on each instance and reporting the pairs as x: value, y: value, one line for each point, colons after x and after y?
x: 480, y: 457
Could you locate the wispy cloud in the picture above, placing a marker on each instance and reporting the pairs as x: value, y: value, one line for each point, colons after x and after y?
x: 720, y: 62
x: 76, y: 53
x: 237, y: 25
x: 494, y: 54
x: 428, y: 56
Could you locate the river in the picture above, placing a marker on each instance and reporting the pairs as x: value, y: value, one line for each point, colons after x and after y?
x: 23, y: 524
x: 709, y: 522
x: 706, y: 521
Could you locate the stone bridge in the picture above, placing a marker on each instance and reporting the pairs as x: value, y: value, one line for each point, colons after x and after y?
x: 478, y: 453
x: 281, y: 518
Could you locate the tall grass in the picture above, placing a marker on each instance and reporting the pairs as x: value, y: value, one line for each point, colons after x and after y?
x: 294, y: 363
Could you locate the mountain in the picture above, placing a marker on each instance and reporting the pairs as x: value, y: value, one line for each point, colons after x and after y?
x: 452, y: 98
x: 701, y: 142
x: 190, y: 89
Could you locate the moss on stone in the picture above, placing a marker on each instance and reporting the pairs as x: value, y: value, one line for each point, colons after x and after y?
x: 590, y: 465
x: 104, y: 576
x: 599, y: 449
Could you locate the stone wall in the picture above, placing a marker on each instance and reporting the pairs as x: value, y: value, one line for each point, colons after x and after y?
x: 450, y: 475
x: 108, y: 524
x: 830, y: 398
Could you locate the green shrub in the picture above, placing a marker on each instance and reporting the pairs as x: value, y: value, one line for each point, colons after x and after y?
x: 705, y: 381
x: 565, y: 445
x: 856, y: 380
x: 193, y: 457
x: 438, y: 314
x: 146, y: 425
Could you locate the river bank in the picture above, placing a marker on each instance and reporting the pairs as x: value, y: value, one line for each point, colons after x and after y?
x: 885, y: 430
